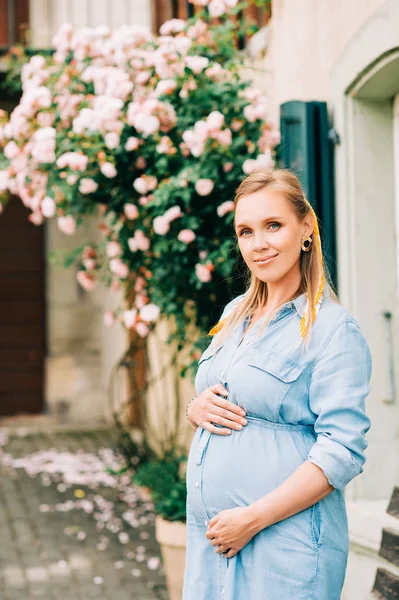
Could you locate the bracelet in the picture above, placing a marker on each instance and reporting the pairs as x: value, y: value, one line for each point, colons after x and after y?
x: 187, y: 417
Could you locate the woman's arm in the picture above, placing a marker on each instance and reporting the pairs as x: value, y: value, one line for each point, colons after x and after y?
x: 306, y: 486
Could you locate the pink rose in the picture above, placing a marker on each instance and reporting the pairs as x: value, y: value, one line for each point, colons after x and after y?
x: 113, y: 249
x: 108, y: 170
x: 132, y: 244
x: 139, y: 284
x: 112, y: 140
x: 165, y: 86
x: 118, y: 268
x: 143, y: 200
x: 142, y: 329
x: 225, y: 208
x: 129, y: 317
x: 227, y: 167
x: 87, y: 186
x: 186, y: 236
x: 72, y: 179
x: 89, y: 264
x: 140, y: 185
x: 161, y: 225
x: 132, y: 143
x: 142, y: 241
x: 204, y: 187
x: 203, y: 254
x: 203, y: 273
x: 67, y: 224
x: 216, y: 8
x: 140, y: 301
x: 150, y: 313
x: 86, y: 281
x: 173, y: 213
x: 197, y: 63
x: 215, y: 120
x: 36, y: 218
x: 11, y: 150
x: 109, y: 318
x: 48, y: 207
x: 152, y: 182
x: 131, y: 211
x: 249, y: 166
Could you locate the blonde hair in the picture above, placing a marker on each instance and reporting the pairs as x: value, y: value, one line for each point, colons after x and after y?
x: 313, y: 269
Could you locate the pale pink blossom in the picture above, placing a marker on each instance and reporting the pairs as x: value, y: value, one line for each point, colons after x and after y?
x: 161, y: 225
x: 227, y: 167
x: 130, y: 317
x: 36, y: 218
x: 165, y: 87
x: 108, y: 169
x: 152, y: 182
x: 150, y: 313
x: 216, y: 8
x: 140, y: 301
x: 48, y: 207
x: 113, y: 249
x: 11, y: 150
x: 76, y: 161
x: 249, y: 166
x: 132, y: 143
x: 86, y: 280
x: 143, y: 200
x: 203, y: 254
x: 89, y: 264
x: 186, y: 236
x: 203, y: 273
x: 140, y: 185
x: 139, y: 284
x: 143, y: 242
x: 67, y: 224
x: 142, y: 329
x: 173, y: 213
x: 45, y: 119
x: 147, y: 124
x: 87, y: 185
x: 4, y: 177
x: 225, y: 208
x: 131, y: 242
x: 204, y: 187
x: 172, y: 26
x: 215, y: 120
x: 165, y: 145
x: 131, y: 211
x: 118, y: 268
x: 112, y: 140
x: 72, y: 179
x: 109, y: 318
x: 197, y: 63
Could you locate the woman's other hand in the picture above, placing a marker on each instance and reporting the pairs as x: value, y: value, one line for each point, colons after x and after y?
x: 209, y: 408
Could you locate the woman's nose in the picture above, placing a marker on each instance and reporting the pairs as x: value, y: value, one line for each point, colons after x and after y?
x: 260, y: 241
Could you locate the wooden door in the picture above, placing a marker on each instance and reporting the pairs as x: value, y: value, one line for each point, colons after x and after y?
x: 22, y: 314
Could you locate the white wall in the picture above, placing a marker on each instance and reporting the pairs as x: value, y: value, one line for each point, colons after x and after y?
x: 46, y: 16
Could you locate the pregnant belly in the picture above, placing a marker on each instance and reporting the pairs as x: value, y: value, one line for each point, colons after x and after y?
x: 236, y: 470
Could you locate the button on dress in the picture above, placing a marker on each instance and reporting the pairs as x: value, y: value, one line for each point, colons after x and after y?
x: 300, y: 405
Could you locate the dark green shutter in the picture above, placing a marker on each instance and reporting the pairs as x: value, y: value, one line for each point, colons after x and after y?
x: 306, y: 149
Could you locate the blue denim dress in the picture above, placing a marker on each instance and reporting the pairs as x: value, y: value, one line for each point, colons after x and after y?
x: 300, y: 406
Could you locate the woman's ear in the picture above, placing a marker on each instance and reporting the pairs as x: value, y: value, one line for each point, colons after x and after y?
x: 308, y: 225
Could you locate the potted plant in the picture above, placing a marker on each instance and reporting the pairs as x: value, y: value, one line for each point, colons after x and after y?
x: 164, y: 477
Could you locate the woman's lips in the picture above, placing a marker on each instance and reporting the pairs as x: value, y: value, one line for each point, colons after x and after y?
x: 265, y: 261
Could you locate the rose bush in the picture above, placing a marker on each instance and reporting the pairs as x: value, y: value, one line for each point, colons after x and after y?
x: 153, y: 133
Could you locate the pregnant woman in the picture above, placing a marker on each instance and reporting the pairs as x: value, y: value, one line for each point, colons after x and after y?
x: 280, y: 416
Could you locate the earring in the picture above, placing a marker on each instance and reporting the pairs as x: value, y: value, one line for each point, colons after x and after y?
x: 306, y: 244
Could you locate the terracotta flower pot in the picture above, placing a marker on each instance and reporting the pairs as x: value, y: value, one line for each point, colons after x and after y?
x: 171, y: 536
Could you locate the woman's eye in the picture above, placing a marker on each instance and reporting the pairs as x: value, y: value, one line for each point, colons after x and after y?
x: 277, y: 224
x: 245, y: 231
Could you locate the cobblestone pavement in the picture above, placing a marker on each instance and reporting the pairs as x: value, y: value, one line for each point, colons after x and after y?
x: 52, y: 554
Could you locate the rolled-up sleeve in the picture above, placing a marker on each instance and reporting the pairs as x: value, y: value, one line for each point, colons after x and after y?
x: 339, y: 385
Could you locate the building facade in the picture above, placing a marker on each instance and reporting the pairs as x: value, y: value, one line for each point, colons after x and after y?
x: 346, y: 53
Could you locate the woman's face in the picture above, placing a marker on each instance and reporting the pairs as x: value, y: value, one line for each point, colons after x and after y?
x: 270, y: 235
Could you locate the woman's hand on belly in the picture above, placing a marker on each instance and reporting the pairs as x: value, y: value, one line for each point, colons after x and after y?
x: 230, y: 530
x: 209, y: 408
